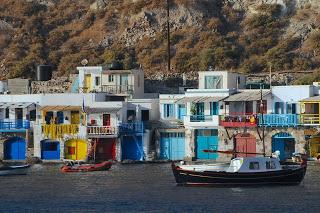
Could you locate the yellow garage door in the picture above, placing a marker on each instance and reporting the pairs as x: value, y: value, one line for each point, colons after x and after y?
x: 76, y: 149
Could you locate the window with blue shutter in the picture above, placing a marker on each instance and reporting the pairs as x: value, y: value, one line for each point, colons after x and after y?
x: 213, y: 108
x: 168, y: 110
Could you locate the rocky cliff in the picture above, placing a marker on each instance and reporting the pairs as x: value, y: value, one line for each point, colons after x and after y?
x: 245, y: 35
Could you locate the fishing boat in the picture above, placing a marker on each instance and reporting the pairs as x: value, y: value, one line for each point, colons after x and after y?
x: 14, y: 170
x: 241, y: 171
x: 77, y: 167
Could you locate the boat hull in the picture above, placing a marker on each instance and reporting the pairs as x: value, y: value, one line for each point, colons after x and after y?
x: 216, y: 178
x: 87, y: 168
x: 14, y: 170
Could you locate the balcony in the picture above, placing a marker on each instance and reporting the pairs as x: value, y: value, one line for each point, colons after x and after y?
x: 274, y: 120
x: 201, y: 120
x: 57, y: 131
x: 131, y: 128
x: 117, y: 89
x: 238, y: 120
x: 14, y: 125
x: 101, y: 130
x: 310, y: 119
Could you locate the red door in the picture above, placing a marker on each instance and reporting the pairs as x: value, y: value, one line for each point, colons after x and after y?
x: 245, y: 143
x: 106, y: 149
x: 106, y: 119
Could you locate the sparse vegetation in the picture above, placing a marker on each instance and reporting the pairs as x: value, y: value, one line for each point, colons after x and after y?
x: 64, y: 34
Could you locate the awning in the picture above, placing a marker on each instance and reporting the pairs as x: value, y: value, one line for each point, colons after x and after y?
x: 311, y: 99
x: 61, y: 108
x: 198, y: 99
x: 247, y: 96
x: 101, y: 110
x: 15, y: 104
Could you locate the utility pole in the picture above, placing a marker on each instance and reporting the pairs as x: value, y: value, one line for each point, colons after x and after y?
x: 168, y: 35
x: 262, y: 120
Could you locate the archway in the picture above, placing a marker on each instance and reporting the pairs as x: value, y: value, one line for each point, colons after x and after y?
x: 285, y: 143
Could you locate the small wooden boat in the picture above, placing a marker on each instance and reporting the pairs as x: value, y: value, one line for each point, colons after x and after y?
x: 72, y: 167
x: 240, y: 171
x: 14, y: 170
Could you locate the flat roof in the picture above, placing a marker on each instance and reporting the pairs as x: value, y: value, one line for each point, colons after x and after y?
x: 247, y: 96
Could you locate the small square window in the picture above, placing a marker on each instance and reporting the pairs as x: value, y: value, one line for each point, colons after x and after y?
x: 270, y: 165
x: 254, y: 165
x: 71, y: 150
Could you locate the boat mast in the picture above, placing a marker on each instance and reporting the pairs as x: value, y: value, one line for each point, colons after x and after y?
x: 262, y: 121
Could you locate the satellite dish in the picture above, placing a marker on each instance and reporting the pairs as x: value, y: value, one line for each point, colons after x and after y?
x: 84, y: 62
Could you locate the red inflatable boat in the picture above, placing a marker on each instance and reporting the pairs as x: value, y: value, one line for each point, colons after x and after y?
x: 72, y: 167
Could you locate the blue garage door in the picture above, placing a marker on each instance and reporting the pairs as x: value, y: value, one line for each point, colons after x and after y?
x: 207, y: 139
x: 172, y: 146
x: 285, y: 143
x: 15, y: 149
x: 50, y: 150
x: 132, y: 148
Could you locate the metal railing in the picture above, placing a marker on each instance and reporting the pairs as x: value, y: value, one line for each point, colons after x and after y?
x: 310, y: 118
x: 14, y: 124
x: 101, y: 130
x: 239, y: 120
x: 279, y: 120
x: 201, y: 118
x: 134, y: 127
x: 117, y: 89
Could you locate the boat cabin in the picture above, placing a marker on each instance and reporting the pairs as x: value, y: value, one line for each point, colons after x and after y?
x: 254, y: 164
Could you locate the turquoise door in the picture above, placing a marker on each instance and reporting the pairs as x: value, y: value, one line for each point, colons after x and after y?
x: 284, y: 143
x: 214, y: 108
x: 205, y: 143
x: 124, y: 80
x: 172, y: 146
x: 181, y: 111
x: 200, y: 108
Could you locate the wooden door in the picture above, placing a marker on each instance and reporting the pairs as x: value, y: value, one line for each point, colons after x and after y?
x: 106, y: 119
x: 75, y: 117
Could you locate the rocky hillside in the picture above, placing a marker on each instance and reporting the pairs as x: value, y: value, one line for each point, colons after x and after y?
x: 244, y: 35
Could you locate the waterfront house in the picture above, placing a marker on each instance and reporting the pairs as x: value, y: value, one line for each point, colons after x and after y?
x: 16, y: 114
x: 118, y: 84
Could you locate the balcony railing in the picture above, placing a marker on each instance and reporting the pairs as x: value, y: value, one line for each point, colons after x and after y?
x: 200, y: 118
x: 14, y: 124
x: 239, y: 120
x: 279, y: 120
x: 56, y: 131
x: 134, y: 127
x: 117, y: 89
x: 101, y: 130
x: 310, y: 119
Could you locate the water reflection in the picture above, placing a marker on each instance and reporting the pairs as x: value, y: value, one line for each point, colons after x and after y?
x: 147, y: 188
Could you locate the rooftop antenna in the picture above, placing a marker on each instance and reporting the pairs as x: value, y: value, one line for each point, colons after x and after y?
x: 168, y: 35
